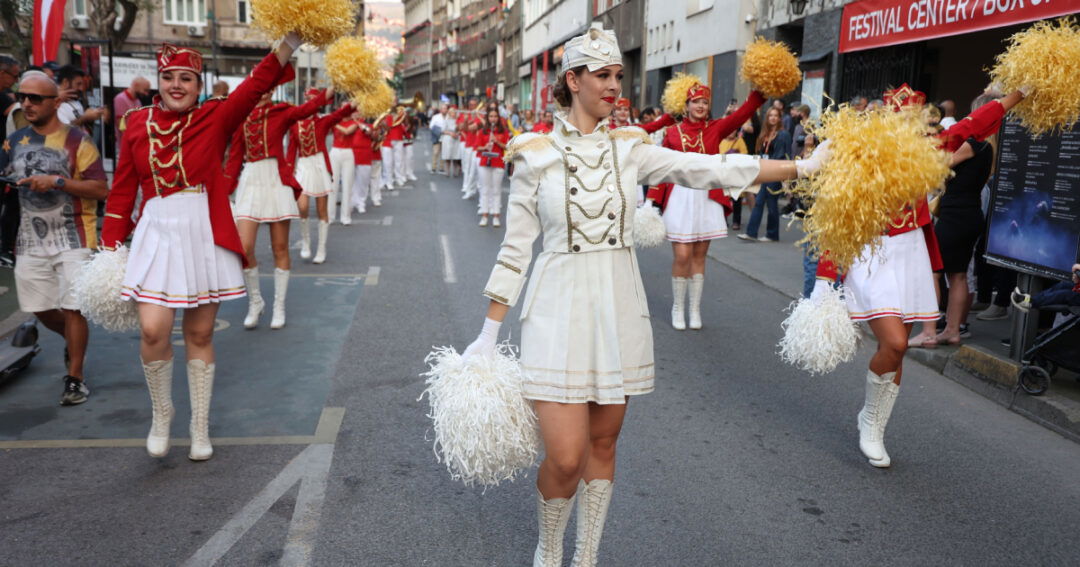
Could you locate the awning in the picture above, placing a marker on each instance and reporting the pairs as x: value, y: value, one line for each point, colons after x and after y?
x: 876, y: 23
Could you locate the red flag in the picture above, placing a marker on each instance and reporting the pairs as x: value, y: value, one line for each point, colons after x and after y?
x: 48, y: 26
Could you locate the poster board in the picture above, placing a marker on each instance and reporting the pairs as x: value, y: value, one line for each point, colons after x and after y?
x: 1033, y: 223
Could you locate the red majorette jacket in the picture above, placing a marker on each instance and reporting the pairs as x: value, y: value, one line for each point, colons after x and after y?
x: 363, y: 147
x: 262, y: 137
x: 164, y: 152
x: 482, y: 139
x: 308, y: 136
x: 396, y: 127
x: 341, y: 139
x: 980, y: 124
x: 704, y: 138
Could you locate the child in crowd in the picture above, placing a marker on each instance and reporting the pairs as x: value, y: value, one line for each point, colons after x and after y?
x: 1061, y: 293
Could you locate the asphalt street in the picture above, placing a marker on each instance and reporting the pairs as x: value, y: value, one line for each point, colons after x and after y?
x: 323, y: 451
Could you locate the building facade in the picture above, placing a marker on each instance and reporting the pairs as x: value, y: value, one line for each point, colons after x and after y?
x: 703, y: 37
x: 416, y: 60
x: 466, y: 35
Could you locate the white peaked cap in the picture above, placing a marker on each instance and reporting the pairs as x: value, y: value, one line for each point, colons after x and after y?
x: 596, y: 48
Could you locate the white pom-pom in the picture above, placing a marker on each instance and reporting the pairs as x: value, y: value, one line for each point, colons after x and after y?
x: 819, y: 334
x: 485, y: 429
x: 97, y: 290
x: 649, y: 229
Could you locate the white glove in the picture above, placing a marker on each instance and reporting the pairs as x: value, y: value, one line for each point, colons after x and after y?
x: 484, y: 345
x: 821, y: 287
x: 293, y: 40
x: 812, y: 164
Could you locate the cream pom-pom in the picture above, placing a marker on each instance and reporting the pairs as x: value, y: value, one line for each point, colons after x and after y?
x: 318, y: 22
x: 353, y: 66
x: 771, y: 67
x: 485, y: 429
x: 97, y: 290
x: 649, y: 229
x: 819, y: 333
x: 375, y: 102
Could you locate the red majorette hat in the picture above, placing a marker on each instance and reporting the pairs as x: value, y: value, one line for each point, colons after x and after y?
x: 173, y: 58
x: 622, y: 103
x: 312, y: 92
x: 903, y: 97
x: 698, y: 91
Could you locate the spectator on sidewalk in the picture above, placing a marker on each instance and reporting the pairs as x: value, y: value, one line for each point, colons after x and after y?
x: 437, y: 125
x: 75, y: 81
x: 773, y: 143
x: 126, y: 100
x: 1061, y: 293
x: 60, y: 179
x: 859, y: 103
x: 948, y: 113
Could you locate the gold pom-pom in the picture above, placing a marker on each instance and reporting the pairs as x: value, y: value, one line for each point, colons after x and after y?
x: 882, y: 162
x: 1046, y: 59
x: 353, y: 67
x: 674, y: 98
x: 318, y: 22
x: 379, y: 100
x: 771, y: 67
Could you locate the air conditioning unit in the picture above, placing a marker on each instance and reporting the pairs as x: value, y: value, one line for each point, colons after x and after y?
x: 196, y: 31
x: 80, y: 22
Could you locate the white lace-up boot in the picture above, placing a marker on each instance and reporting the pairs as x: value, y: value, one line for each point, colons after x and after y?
x: 281, y: 287
x: 200, y: 386
x: 320, y: 254
x: 305, y: 239
x: 255, y: 300
x: 594, y: 497
x: 553, y: 515
x: 881, y: 395
x: 159, y: 381
x: 697, y: 284
x: 678, y: 292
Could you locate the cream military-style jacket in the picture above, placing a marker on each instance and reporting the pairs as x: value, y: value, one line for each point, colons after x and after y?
x: 580, y: 191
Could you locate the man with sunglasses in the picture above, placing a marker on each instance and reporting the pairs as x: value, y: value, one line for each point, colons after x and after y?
x: 58, y: 178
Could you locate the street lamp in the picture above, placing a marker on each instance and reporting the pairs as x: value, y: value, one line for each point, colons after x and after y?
x: 798, y: 6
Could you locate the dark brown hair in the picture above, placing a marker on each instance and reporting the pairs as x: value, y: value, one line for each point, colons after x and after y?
x: 561, y: 91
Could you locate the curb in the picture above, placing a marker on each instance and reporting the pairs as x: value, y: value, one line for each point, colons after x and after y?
x: 983, y: 372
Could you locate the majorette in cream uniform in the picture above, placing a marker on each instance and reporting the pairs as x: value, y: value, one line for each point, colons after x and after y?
x: 586, y: 334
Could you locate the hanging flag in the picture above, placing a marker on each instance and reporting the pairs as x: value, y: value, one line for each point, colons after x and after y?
x: 48, y: 26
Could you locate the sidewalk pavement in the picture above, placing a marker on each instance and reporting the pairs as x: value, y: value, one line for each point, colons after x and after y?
x: 980, y: 363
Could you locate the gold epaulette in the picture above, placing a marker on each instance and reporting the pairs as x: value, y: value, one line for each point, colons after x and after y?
x: 533, y: 143
x: 631, y: 133
x: 123, y: 119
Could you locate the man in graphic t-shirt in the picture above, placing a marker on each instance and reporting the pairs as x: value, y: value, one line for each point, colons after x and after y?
x: 60, y: 178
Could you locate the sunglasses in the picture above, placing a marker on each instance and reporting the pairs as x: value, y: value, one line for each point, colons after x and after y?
x: 33, y: 98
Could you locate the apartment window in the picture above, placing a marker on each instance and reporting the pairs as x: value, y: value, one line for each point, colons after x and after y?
x: 185, y: 12
x: 601, y: 6
x: 80, y: 8
x: 243, y: 15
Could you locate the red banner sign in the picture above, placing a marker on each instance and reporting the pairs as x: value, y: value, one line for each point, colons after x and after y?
x: 876, y: 23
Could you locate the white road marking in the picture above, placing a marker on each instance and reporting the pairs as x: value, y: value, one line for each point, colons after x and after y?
x: 432, y: 185
x: 372, y: 277
x: 448, y: 261
x: 387, y: 220
x: 304, y: 525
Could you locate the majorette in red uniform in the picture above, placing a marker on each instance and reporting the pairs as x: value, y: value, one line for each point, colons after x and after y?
x: 378, y: 137
x: 692, y: 217
x: 393, y: 152
x: 343, y: 167
x: 491, y: 143
x: 185, y: 253
x: 469, y: 125
x: 364, y: 146
x: 311, y: 168
x: 894, y: 287
x: 621, y: 116
x: 266, y: 193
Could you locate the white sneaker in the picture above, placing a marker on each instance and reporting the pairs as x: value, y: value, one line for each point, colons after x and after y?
x: 765, y: 239
x: 483, y: 221
x: 495, y: 222
x: 747, y: 237
x: 360, y: 210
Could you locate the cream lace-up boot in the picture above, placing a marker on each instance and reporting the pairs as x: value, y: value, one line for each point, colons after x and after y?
x: 324, y: 231
x: 553, y: 515
x: 305, y: 239
x: 200, y: 386
x: 697, y: 284
x: 255, y: 299
x: 159, y: 381
x: 594, y: 497
x: 678, y: 293
x: 881, y: 395
x: 281, y: 288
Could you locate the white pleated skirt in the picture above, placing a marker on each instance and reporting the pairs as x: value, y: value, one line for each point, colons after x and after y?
x: 261, y: 196
x: 312, y: 175
x: 690, y: 216
x: 585, y: 330
x: 173, y: 260
x: 897, y: 281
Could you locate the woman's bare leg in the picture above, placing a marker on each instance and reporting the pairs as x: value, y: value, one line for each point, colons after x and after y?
x: 564, y: 429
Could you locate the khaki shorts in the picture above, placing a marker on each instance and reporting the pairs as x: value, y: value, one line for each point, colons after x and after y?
x: 45, y: 282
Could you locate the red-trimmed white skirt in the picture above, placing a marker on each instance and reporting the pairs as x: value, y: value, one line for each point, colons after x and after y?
x: 691, y: 216
x: 897, y: 281
x: 261, y: 196
x: 173, y: 260
x: 312, y: 175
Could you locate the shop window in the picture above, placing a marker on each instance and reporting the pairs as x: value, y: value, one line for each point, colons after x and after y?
x: 185, y: 12
x: 243, y: 15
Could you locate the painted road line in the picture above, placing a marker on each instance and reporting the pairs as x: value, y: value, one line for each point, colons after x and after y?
x: 387, y: 220
x: 431, y: 184
x: 310, y: 469
x: 325, y: 432
x: 372, y: 277
x: 448, y: 261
